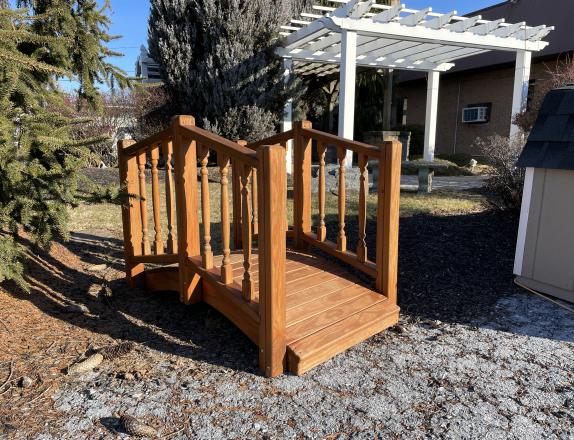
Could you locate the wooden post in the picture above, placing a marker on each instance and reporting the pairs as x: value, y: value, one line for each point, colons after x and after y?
x: 185, y: 153
x: 342, y: 238
x: 169, y: 202
x: 131, y: 220
x: 141, y: 160
x: 388, y: 204
x: 321, y: 228
x: 247, y: 238
x: 272, y: 201
x: 207, y: 254
x: 236, y: 189
x: 363, y: 192
x: 301, y: 183
x: 226, y: 268
x: 158, y: 240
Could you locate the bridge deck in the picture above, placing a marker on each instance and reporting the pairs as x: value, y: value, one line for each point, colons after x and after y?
x: 328, y: 308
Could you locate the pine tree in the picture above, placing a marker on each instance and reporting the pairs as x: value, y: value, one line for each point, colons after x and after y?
x: 39, y: 160
x: 218, y: 61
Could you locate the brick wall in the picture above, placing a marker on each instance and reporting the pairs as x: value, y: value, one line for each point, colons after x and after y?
x: 462, y: 90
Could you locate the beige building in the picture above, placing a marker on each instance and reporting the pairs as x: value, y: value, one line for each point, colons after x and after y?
x: 475, y: 97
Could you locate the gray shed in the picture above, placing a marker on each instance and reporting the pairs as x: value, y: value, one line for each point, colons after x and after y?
x: 545, y: 247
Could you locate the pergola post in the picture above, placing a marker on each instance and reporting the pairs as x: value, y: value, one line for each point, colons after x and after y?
x: 521, y: 82
x: 347, y: 88
x: 431, y: 115
x: 288, y: 114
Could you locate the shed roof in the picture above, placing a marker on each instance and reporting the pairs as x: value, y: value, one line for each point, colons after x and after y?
x: 551, y: 142
x: 400, y: 38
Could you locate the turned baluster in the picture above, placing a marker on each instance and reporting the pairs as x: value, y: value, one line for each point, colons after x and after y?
x: 341, y: 239
x: 158, y: 241
x: 247, y: 284
x: 363, y: 191
x: 141, y: 160
x: 255, y: 224
x: 321, y: 229
x: 226, y: 268
x: 207, y: 254
x: 170, y: 207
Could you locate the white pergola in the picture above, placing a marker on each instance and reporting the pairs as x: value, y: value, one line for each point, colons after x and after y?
x: 367, y: 34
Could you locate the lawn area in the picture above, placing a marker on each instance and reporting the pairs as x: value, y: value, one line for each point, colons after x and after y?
x: 106, y: 217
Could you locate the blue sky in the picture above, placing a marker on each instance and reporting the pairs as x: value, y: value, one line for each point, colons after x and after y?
x: 130, y: 17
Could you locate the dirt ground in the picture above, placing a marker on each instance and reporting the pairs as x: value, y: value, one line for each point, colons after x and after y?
x: 474, y: 357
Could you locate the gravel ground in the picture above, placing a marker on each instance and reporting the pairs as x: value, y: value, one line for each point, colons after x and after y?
x: 473, y: 357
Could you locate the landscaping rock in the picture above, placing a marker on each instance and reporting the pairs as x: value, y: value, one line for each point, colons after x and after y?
x: 25, y: 382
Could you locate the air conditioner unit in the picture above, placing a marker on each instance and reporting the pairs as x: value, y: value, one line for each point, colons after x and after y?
x: 475, y: 114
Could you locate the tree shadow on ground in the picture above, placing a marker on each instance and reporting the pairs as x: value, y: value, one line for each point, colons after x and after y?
x: 62, y: 277
x: 451, y: 268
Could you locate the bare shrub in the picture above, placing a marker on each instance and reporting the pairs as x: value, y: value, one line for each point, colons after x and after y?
x: 559, y: 75
x: 507, y: 180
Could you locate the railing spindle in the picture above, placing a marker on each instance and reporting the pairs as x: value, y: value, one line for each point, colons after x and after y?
x: 341, y: 239
x: 321, y: 229
x: 363, y: 191
x: 156, y: 203
x: 226, y: 268
x: 141, y: 159
x: 255, y: 224
x: 246, y: 285
x: 170, y: 207
x: 207, y: 254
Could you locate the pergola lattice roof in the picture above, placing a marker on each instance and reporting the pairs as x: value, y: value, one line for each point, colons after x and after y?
x: 399, y: 38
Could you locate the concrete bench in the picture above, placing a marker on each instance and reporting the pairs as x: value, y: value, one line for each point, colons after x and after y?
x: 426, y: 171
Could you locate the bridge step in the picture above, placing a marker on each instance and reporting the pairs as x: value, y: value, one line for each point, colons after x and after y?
x: 341, y: 329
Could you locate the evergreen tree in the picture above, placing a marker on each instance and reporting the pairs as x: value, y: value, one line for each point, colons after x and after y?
x: 39, y: 161
x: 218, y: 61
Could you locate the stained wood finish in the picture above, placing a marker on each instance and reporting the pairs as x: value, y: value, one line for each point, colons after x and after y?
x: 154, y: 159
x: 246, y: 239
x: 388, y: 220
x: 141, y: 160
x: 169, y: 197
x: 301, y: 309
x: 254, y: 208
x: 131, y: 220
x: 185, y: 151
x: 272, y: 340
x: 236, y: 189
x: 206, y: 252
x: 226, y: 270
x: 301, y: 182
x: 342, y: 238
x: 321, y: 228
x: 363, y: 192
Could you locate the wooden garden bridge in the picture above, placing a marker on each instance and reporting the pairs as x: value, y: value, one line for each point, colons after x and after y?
x: 299, y: 306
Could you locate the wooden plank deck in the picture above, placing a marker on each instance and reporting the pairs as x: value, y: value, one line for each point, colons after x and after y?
x: 328, y: 308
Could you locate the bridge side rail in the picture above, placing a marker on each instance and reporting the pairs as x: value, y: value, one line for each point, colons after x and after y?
x: 388, y: 160
x: 188, y: 147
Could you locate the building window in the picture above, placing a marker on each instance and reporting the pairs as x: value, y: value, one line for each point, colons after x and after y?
x: 476, y: 114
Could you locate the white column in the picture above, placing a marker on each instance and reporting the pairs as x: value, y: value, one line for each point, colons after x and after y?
x: 521, y: 80
x: 431, y: 115
x: 288, y: 114
x: 347, y: 88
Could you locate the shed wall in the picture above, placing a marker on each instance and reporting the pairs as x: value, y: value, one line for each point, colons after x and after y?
x: 548, y: 263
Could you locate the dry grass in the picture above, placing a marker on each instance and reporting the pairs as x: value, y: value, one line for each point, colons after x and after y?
x: 106, y: 218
